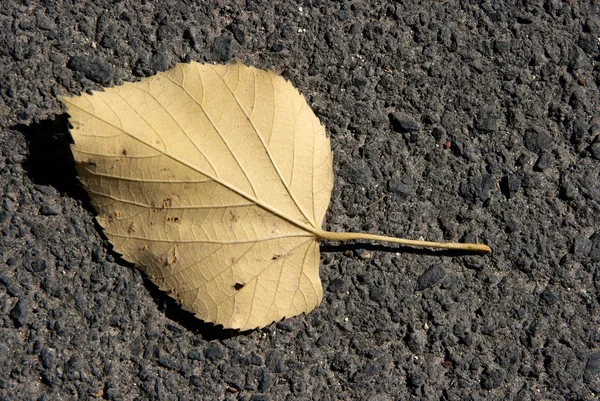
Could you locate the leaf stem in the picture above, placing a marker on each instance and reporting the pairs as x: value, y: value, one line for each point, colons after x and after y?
x: 345, y: 236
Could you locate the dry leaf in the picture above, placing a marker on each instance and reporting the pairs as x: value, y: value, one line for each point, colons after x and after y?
x: 214, y: 181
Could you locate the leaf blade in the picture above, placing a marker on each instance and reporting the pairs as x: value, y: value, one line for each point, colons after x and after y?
x: 123, y: 133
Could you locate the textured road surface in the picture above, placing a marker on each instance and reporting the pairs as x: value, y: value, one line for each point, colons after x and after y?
x: 462, y: 121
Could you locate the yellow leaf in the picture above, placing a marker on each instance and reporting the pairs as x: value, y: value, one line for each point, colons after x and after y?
x: 214, y: 181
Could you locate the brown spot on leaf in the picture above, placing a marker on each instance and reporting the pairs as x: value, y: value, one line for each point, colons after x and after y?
x: 124, y: 152
x: 172, y: 255
x: 238, y: 286
x: 131, y: 228
x: 173, y: 219
x: 167, y: 202
x: 233, y: 217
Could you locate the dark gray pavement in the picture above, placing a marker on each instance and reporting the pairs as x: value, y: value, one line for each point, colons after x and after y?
x: 495, y: 137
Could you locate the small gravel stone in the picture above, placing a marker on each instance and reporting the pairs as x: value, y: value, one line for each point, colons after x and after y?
x: 222, y: 48
x: 161, y: 60
x: 45, y: 23
x: 285, y: 326
x: 364, y: 254
x: 166, y: 360
x: 487, y: 124
x: 97, y: 70
x: 4, y: 216
x: 402, y: 186
x: 595, y: 149
x: 195, y: 355
x: 580, y: 131
x: 593, y: 363
x: 19, y: 313
x: 341, y: 362
x: 73, y: 367
x: 415, y: 379
x: 358, y: 173
x: 214, y: 352
x: 526, y: 18
x: 9, y: 206
x: 511, y: 184
x: 403, y: 123
x: 36, y: 265
x: 278, y: 47
x: 111, y: 391
x: 337, y: 285
x: 568, y: 191
x: 478, y: 188
x: 537, y: 141
x: 438, y: 133
x: 595, y: 247
x: 324, y: 340
x: 275, y: 362
x: 510, y: 356
x: 548, y: 70
x: 5, y: 279
x: 50, y: 209
x: 588, y: 42
x: 449, y: 121
x: 582, y: 247
x: 430, y: 277
x: 256, y: 359
x: 416, y: 341
x: 166, y: 32
x: 192, y: 34
x: 377, y: 295
x: 362, y: 111
x: 109, y: 42
x: 549, y: 297
x: 48, y: 357
x: 502, y: 45
x: 544, y: 162
x: 343, y: 14
x: 578, y: 59
x: 12, y: 287
x: 492, y: 378
x: 238, y: 33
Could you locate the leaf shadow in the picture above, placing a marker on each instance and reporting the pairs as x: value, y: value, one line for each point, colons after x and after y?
x: 328, y: 248
x: 50, y: 163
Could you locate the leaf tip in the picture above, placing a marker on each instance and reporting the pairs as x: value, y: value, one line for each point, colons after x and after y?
x: 485, y: 249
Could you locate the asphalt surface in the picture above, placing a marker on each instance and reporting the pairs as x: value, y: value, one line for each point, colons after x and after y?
x: 459, y: 121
